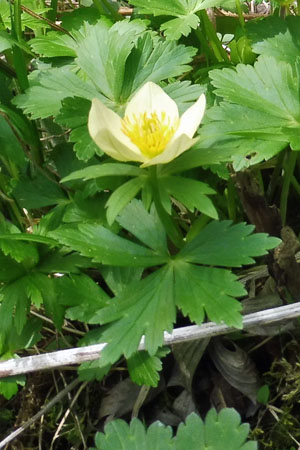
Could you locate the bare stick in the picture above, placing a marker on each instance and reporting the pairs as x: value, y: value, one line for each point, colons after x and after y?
x: 89, y: 353
x: 43, y: 411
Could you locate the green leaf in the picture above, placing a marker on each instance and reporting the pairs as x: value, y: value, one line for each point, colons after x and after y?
x: 153, y: 60
x: 269, y: 92
x: 122, y: 196
x: 111, y: 48
x: 220, y: 431
x: 143, y: 369
x: 275, y: 37
x: 196, y: 157
x: 118, y: 435
x: 10, y: 269
x: 238, y: 130
x: 145, y: 226
x: 251, y: 87
x: 11, y: 149
x: 117, y: 278
x: 20, y: 251
x: 182, y: 9
x: 184, y: 93
x: 81, y: 295
x: 191, y: 193
x: 209, y: 290
x: 74, y: 114
x: 156, y: 7
x: 147, y: 304
x: 37, y: 192
x: 104, y: 170
x: 44, y: 97
x: 9, y: 386
x: 100, y: 244
x: 57, y: 262
x: 225, y: 244
x: 175, y: 28
x: 54, y: 44
x: 28, y: 337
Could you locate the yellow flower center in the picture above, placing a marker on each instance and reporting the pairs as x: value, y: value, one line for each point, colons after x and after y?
x: 149, y: 132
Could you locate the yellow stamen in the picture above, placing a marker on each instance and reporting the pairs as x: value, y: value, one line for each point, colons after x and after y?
x: 149, y: 133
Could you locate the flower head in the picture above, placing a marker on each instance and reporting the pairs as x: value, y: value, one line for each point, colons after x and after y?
x: 151, y: 130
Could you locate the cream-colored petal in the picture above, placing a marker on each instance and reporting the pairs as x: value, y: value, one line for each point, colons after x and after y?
x: 173, y: 149
x: 105, y: 129
x: 191, y: 118
x: 152, y: 98
x: 112, y: 146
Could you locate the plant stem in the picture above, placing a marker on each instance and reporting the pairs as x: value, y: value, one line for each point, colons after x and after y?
x: 171, y: 228
x: 207, y: 50
x: 196, y: 227
x: 18, y: 56
x: 53, y: 12
x: 287, y: 178
x: 215, y: 43
x: 240, y: 13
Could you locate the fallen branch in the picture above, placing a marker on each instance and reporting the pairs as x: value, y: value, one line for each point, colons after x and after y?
x: 89, y: 353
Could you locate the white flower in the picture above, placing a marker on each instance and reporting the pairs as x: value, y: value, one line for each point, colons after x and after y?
x: 150, y: 132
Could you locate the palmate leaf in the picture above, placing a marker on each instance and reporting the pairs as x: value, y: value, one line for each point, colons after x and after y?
x: 193, y: 194
x: 143, y: 308
x: 81, y: 295
x: 38, y: 192
x: 111, y: 48
x: 44, y: 97
x: 143, y: 225
x: 112, y: 72
x: 17, y: 296
x: 143, y: 368
x: 156, y: 60
x: 18, y: 250
x: 74, y: 114
x: 242, y: 133
x: 200, y: 290
x: 102, y: 245
x: 269, y: 87
x: 219, y: 431
x: 184, y: 10
x: 54, y: 44
x: 266, y: 103
x: 275, y: 37
x: 226, y: 244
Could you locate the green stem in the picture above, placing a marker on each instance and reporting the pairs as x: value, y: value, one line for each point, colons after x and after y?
x: 14, y: 210
x: 214, y: 41
x: 53, y: 12
x: 298, y: 7
x: 205, y: 47
x: 287, y: 178
x: 18, y: 56
x: 171, y: 228
x: 240, y: 13
x: 196, y: 227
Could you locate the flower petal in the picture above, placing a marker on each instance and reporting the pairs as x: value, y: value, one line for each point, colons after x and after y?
x: 105, y: 129
x: 173, y: 149
x: 191, y: 118
x: 152, y: 98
